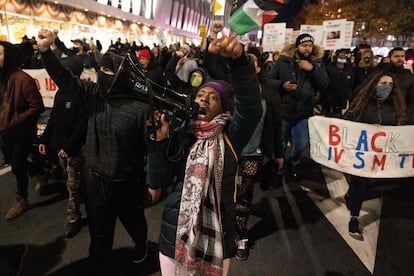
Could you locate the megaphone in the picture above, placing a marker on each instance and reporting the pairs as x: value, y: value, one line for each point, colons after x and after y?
x: 131, y: 75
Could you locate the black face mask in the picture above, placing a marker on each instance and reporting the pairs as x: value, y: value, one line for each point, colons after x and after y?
x: 105, y: 82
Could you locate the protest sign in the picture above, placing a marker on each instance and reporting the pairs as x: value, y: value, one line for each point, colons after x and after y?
x: 372, y: 151
x: 334, y: 34
x: 274, y: 36
x: 314, y: 30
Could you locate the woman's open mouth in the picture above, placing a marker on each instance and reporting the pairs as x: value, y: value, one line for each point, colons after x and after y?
x: 202, y: 110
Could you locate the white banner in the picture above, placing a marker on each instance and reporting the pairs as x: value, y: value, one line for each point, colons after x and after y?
x: 48, y: 87
x: 45, y: 84
x: 365, y: 150
x: 314, y: 30
x: 274, y: 36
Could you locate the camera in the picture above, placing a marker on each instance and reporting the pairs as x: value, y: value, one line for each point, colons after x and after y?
x: 175, y: 105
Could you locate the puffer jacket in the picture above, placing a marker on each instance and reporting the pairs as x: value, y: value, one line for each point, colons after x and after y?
x: 246, y: 115
x: 115, y: 140
x: 297, y: 105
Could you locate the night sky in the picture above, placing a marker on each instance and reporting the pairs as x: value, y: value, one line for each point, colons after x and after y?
x: 291, y: 9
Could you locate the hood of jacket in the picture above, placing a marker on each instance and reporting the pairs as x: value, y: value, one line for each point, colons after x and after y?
x: 122, y: 83
x: 289, y: 51
x: 203, y: 72
x: 12, y: 60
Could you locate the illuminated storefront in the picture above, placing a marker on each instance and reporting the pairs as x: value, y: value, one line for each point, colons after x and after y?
x: 150, y: 22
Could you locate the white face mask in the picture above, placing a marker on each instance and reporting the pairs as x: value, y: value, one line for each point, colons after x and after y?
x: 341, y: 60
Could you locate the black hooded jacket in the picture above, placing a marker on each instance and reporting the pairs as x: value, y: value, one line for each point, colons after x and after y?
x: 13, y: 57
x: 66, y: 127
x: 115, y: 145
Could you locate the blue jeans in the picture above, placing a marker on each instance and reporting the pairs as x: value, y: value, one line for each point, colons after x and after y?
x: 298, y: 134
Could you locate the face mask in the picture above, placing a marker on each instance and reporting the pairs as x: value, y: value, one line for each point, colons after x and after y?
x: 367, y: 59
x: 383, y: 92
x: 196, y: 82
x: 105, y: 82
x: 341, y: 60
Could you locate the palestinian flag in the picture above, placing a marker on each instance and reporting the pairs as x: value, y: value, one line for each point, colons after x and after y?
x: 253, y: 14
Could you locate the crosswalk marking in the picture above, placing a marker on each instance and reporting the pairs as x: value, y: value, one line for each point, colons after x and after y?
x: 5, y: 170
x: 335, y: 211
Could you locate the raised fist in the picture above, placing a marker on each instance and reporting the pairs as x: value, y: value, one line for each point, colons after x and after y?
x: 226, y: 47
x: 45, y: 38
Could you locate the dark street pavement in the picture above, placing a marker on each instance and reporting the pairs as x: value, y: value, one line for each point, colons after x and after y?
x: 298, y: 229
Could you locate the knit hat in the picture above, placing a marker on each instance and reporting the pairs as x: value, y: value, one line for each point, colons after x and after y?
x: 303, y: 38
x: 186, y: 47
x: 145, y: 54
x: 183, y: 71
x: 223, y: 92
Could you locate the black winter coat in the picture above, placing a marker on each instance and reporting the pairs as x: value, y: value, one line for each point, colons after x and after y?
x: 115, y: 141
x: 66, y: 127
x: 386, y: 111
x: 297, y: 105
x: 339, y: 90
x: 405, y: 80
x: 246, y: 115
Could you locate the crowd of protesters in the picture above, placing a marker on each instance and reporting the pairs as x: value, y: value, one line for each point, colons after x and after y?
x: 253, y: 107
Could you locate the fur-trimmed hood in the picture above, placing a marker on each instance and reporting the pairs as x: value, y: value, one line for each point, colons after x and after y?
x: 290, y: 50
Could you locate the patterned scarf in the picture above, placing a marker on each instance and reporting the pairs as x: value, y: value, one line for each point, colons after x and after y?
x: 199, y: 241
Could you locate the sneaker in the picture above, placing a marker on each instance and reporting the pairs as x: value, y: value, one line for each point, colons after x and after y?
x: 353, y: 227
x: 140, y: 254
x: 242, y: 251
x: 19, y: 206
x: 72, y: 229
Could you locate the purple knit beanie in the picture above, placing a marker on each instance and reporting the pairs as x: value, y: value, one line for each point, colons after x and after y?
x: 222, y: 90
